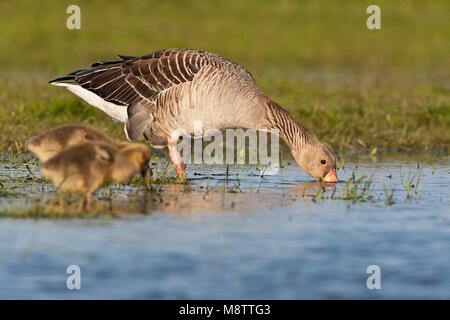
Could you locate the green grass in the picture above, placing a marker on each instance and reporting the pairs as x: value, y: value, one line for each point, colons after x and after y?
x: 388, y: 196
x: 351, y: 86
x: 355, y: 190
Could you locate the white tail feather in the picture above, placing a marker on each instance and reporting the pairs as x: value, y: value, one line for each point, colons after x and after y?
x: 115, y: 111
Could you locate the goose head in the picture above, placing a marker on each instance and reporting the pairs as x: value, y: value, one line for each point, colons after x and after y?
x: 317, y: 160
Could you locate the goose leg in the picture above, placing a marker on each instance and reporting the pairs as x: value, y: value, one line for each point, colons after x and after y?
x: 87, y: 200
x: 177, y: 162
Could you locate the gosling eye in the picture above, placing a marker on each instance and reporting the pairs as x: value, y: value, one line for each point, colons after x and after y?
x: 323, y: 161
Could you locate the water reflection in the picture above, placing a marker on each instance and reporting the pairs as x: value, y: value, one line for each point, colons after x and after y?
x: 313, y: 188
x: 182, y: 199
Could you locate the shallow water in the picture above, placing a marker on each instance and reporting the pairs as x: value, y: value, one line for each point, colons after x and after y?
x: 237, y: 236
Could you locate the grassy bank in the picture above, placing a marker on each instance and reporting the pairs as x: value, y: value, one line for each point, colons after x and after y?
x: 349, y: 85
x: 355, y: 116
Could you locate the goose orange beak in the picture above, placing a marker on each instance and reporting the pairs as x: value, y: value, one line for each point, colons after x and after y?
x: 331, y: 176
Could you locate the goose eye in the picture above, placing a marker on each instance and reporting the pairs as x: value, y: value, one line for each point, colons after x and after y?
x: 323, y: 161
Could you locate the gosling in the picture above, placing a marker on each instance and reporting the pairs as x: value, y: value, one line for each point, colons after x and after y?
x: 49, y: 143
x: 86, y: 167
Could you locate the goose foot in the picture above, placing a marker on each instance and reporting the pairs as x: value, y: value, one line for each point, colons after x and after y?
x: 177, y: 162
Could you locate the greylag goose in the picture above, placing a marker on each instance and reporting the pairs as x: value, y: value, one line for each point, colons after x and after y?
x: 54, y: 140
x: 157, y: 94
x: 85, y: 167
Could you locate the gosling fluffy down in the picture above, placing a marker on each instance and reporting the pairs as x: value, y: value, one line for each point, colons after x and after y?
x: 85, y: 167
x: 58, y: 138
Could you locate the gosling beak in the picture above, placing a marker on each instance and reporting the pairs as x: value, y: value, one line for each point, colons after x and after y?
x: 331, y: 176
x: 144, y: 171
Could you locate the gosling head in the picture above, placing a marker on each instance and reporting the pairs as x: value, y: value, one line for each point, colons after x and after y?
x: 317, y: 160
x: 131, y: 159
x: 139, y: 155
x: 33, y: 143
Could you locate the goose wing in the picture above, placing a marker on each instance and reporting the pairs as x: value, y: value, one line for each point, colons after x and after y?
x: 128, y: 88
x: 140, y: 79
